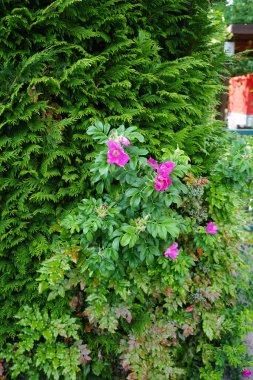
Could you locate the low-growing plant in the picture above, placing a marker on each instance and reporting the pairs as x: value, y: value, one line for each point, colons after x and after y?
x: 151, y: 265
x: 47, y: 345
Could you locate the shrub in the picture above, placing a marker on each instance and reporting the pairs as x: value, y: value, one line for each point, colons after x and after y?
x: 45, y: 346
x: 154, y: 289
x: 68, y: 62
x: 239, y: 12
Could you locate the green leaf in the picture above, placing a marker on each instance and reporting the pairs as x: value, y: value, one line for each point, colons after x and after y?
x: 133, y: 240
x: 100, y: 187
x: 47, y: 334
x: 106, y: 128
x: 111, y: 253
x: 115, y: 243
x: 152, y: 229
x: 125, y: 239
x: 131, y: 192
x: 104, y: 171
x: 129, y: 229
x: 135, y: 200
x: 207, y: 329
x: 138, y: 136
x: 172, y: 229
x: 43, y: 285
x: 162, y: 232
x: 115, y: 255
x: 149, y: 257
x: 142, y: 254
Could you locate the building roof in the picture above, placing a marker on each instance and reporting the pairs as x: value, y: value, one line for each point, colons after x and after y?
x: 242, y: 36
x: 241, y: 31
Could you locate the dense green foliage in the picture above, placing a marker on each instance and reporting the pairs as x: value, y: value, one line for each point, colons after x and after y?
x: 142, y: 315
x: 240, y: 12
x: 66, y: 63
x: 240, y: 64
x: 52, y: 355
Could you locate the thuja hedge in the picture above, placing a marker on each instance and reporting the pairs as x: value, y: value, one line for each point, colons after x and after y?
x: 65, y: 63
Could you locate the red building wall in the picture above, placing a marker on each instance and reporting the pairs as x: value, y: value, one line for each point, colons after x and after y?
x: 241, y: 94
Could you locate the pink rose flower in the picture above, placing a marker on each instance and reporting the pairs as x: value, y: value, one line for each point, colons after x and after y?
x: 246, y: 373
x: 124, y: 141
x: 166, y: 168
x: 211, y: 228
x: 172, y: 251
x: 116, y: 154
x: 162, y: 183
x: 154, y: 164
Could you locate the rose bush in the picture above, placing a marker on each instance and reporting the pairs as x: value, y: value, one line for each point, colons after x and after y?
x: 151, y: 267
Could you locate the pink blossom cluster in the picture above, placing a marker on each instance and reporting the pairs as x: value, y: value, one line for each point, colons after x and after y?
x: 211, y: 228
x: 246, y: 373
x: 172, y: 251
x: 116, y: 154
x: 163, y: 181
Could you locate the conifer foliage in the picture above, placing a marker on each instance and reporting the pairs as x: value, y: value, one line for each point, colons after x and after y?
x: 66, y: 63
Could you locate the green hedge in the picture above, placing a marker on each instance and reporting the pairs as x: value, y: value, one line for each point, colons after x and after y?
x: 67, y: 63
x: 154, y: 291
